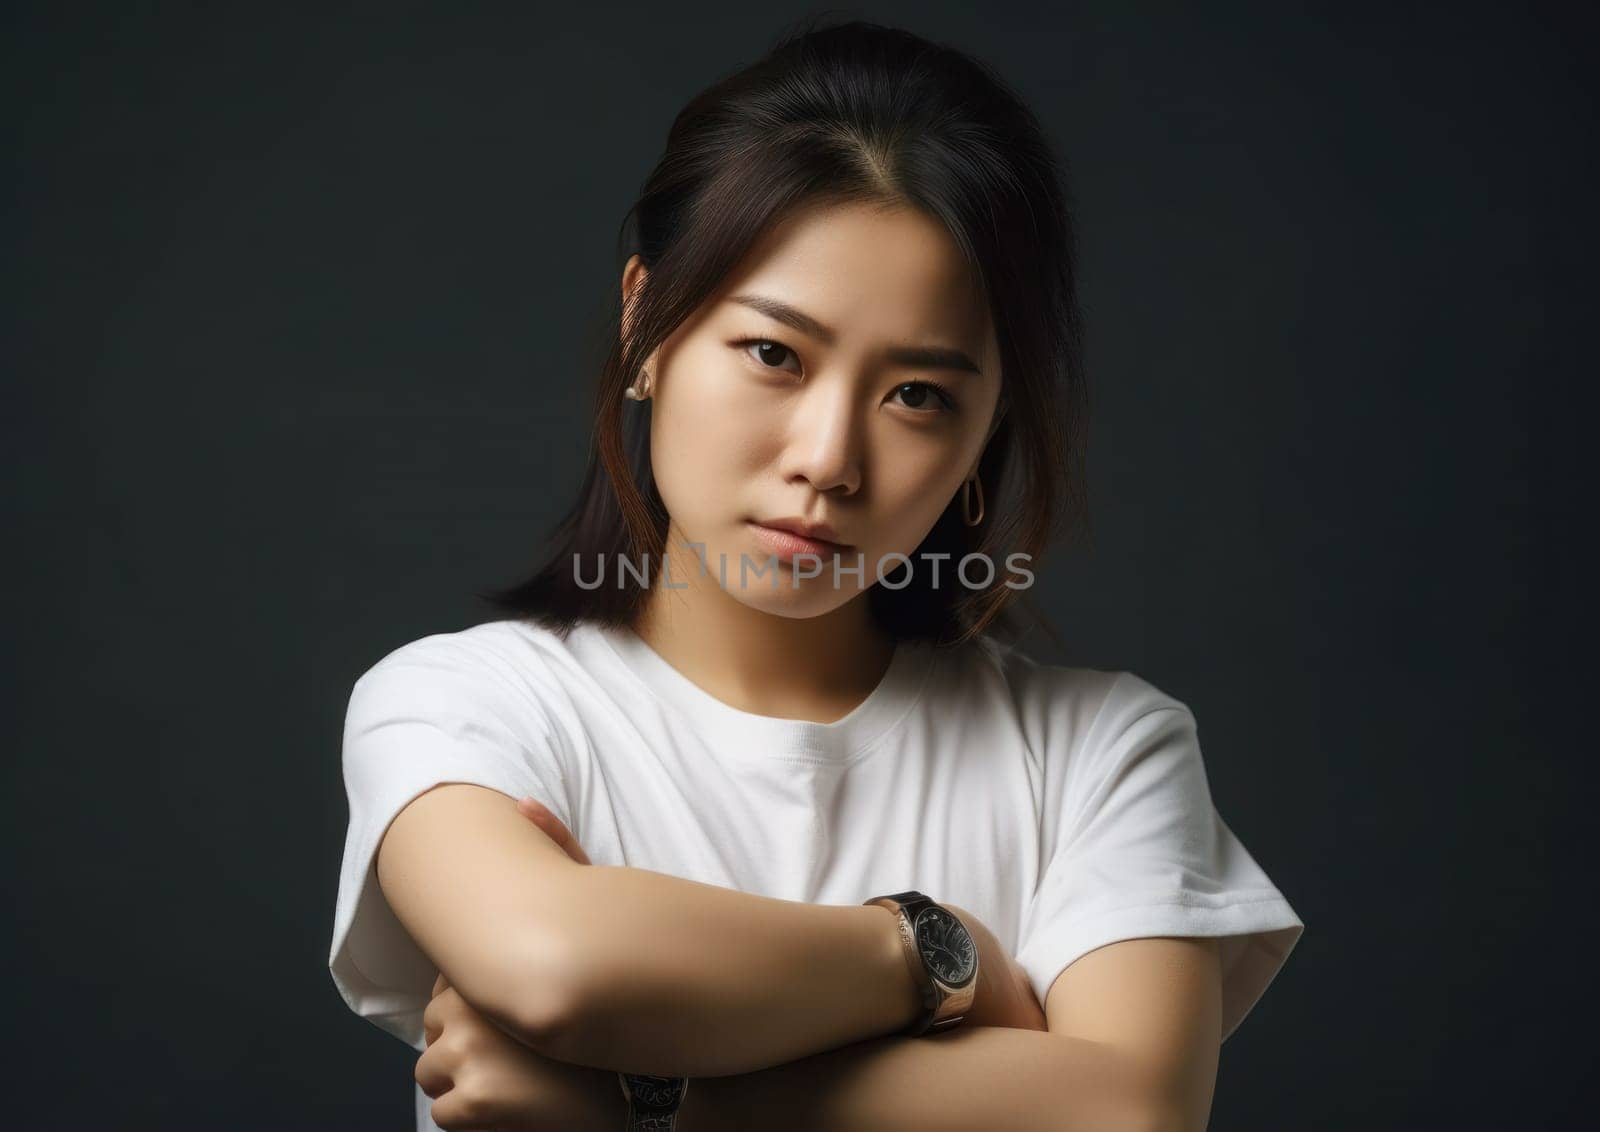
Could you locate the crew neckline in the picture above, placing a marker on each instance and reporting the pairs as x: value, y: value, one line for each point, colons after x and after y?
x: 843, y: 740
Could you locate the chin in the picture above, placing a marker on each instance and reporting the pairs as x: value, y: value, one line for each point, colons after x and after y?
x: 813, y: 598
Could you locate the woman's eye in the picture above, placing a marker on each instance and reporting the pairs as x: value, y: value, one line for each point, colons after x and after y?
x: 766, y: 353
x: 926, y: 397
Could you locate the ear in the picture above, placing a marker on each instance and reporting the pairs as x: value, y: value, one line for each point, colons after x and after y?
x: 633, y: 274
x: 994, y: 425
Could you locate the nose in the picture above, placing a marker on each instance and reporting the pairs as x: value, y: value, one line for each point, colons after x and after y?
x: 824, y: 439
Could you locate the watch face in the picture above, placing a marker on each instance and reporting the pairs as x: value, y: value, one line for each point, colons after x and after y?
x: 946, y: 948
x: 656, y: 1092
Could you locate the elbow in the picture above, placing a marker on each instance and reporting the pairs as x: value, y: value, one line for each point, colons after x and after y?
x: 1159, y: 1106
x: 1169, y: 1118
x: 543, y: 997
x: 1172, y: 1099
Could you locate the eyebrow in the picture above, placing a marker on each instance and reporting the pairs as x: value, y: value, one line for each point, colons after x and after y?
x: 919, y: 357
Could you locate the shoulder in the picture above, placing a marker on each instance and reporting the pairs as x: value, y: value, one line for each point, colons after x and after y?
x: 1062, y: 699
x: 483, y: 647
x: 508, y: 668
x: 512, y: 651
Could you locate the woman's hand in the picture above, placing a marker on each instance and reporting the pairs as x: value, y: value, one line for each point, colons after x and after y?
x: 539, y: 815
x: 482, y: 1078
x: 1004, y: 996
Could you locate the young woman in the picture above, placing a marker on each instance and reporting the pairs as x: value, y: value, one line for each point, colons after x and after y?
x: 770, y: 674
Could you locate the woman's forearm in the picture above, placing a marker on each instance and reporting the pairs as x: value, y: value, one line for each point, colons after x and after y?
x: 983, y: 1077
x: 678, y: 978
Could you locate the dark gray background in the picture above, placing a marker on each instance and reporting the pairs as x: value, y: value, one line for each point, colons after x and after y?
x: 303, y: 303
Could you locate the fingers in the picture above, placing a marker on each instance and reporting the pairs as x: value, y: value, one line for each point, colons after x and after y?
x: 433, y: 1020
x: 541, y: 816
x: 435, y: 1081
x: 434, y: 1073
x: 440, y: 985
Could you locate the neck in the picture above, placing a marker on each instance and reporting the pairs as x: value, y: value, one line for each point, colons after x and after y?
x: 818, y: 668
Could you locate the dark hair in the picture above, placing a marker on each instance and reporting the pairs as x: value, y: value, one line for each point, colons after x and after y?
x: 856, y: 111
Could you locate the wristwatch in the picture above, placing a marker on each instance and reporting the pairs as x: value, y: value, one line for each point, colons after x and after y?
x: 943, y: 959
x: 652, y: 1101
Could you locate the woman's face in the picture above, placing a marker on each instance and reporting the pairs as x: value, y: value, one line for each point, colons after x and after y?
x: 804, y: 389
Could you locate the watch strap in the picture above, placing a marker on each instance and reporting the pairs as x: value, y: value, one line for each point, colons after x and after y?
x: 653, y: 1102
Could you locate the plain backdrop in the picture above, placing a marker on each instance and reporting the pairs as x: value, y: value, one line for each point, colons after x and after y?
x: 301, y: 314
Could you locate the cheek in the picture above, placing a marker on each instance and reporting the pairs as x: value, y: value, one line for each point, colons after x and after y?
x: 709, y: 435
x: 914, y: 487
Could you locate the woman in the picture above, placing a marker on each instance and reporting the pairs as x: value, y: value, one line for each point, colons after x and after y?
x: 769, y: 674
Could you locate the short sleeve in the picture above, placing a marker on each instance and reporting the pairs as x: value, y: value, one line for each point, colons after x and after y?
x: 1134, y: 847
x: 433, y: 711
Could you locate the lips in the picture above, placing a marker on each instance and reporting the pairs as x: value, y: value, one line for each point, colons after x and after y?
x: 817, y: 532
x: 786, y: 544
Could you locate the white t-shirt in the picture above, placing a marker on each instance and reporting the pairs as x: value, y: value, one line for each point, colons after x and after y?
x: 1066, y: 807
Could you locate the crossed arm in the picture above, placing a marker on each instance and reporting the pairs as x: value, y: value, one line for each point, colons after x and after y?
x: 986, y: 1077
x: 1133, y: 1037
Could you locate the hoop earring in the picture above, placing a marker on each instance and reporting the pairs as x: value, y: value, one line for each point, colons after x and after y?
x: 966, y: 501
x: 634, y: 392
